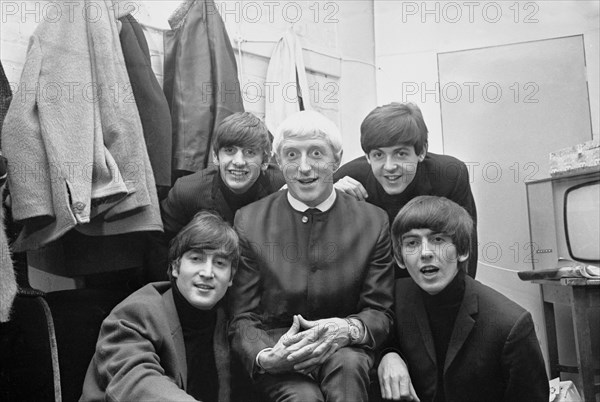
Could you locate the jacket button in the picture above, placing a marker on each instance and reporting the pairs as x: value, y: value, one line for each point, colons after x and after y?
x: 78, y: 206
x: 304, y: 219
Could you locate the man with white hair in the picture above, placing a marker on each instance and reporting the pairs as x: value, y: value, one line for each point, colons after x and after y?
x: 312, y: 298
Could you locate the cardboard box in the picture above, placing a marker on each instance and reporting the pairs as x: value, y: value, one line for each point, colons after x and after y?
x: 580, y: 158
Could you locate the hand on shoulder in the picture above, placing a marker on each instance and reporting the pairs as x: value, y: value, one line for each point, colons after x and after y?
x: 352, y: 187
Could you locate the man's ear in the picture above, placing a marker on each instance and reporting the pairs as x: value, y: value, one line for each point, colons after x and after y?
x: 400, y: 263
x: 277, y: 159
x: 423, y: 153
x: 267, y: 157
x: 368, y: 159
x: 233, y: 271
x: 174, y: 269
x: 463, y: 258
x: 338, y: 161
x: 215, y: 157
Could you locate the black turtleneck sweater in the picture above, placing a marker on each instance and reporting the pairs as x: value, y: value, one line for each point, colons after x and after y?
x: 237, y: 201
x: 442, y: 310
x: 198, y: 333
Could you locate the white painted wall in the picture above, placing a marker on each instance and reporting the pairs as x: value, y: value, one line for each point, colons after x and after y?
x: 410, y: 35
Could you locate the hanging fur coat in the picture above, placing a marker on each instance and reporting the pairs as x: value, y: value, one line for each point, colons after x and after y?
x: 8, y: 284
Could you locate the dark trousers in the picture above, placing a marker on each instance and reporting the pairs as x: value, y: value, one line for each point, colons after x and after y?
x: 344, y: 377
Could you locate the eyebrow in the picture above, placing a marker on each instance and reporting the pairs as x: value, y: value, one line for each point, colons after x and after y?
x: 214, y: 253
x: 223, y: 254
x: 439, y: 234
x: 208, y: 251
x: 402, y: 148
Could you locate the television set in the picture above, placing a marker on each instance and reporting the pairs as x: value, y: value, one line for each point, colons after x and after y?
x: 564, y: 220
x: 564, y: 223
x: 582, y: 221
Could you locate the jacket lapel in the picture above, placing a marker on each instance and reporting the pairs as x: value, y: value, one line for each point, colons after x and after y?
x: 176, y: 335
x: 218, y: 199
x: 464, y: 322
x: 420, y: 316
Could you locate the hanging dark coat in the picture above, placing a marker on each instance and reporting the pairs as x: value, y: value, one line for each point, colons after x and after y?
x: 5, y: 96
x: 200, y: 81
x: 149, y: 98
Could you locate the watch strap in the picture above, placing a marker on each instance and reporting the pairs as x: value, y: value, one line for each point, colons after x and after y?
x: 353, y: 331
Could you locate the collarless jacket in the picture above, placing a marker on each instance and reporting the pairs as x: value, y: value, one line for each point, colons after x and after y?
x: 331, y: 264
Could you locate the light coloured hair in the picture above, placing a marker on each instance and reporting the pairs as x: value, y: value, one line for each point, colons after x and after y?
x: 309, y: 123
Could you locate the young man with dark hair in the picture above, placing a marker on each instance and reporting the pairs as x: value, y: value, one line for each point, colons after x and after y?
x: 459, y: 339
x: 167, y: 341
x: 241, y: 175
x: 397, y: 167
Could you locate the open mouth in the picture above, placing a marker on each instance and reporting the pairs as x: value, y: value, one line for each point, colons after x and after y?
x: 429, y: 270
x: 238, y: 173
x: 393, y: 178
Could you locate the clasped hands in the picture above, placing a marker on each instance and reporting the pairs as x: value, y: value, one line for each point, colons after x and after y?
x: 306, y: 345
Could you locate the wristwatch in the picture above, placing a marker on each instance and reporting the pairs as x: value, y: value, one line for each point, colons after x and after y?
x: 353, y: 331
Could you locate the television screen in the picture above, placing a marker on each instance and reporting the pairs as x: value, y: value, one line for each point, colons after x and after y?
x: 582, y: 221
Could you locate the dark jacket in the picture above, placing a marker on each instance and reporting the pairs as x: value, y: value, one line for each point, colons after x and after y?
x: 335, y: 264
x: 440, y: 175
x: 5, y: 96
x: 140, y: 354
x: 493, y: 355
x: 201, y: 82
x: 202, y: 191
x: 149, y: 99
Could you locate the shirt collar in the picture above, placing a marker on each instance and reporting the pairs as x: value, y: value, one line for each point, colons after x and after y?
x: 323, y: 207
